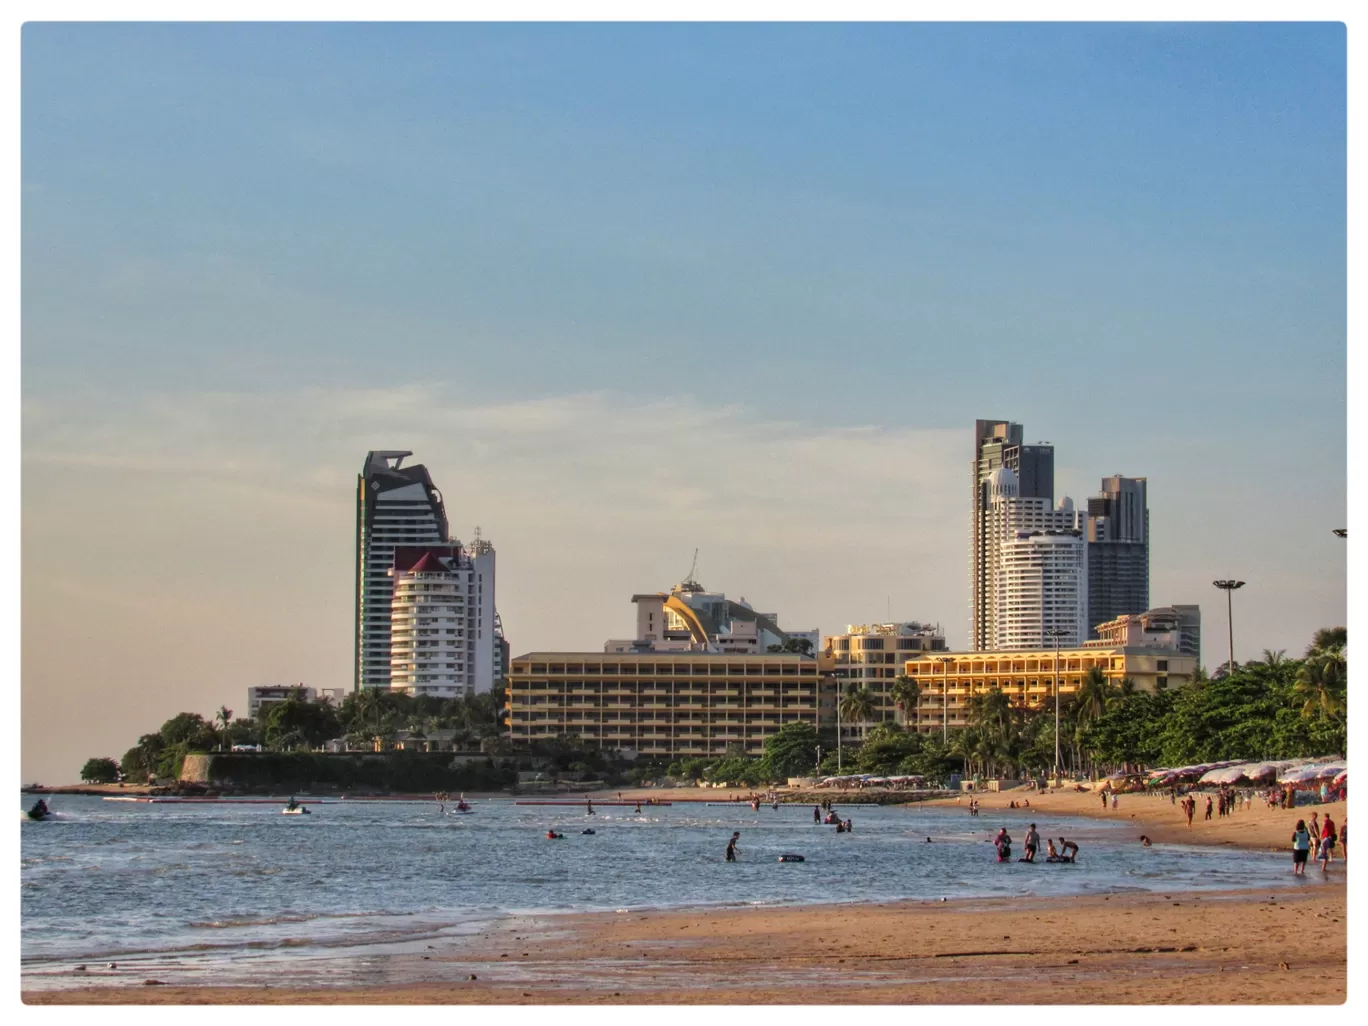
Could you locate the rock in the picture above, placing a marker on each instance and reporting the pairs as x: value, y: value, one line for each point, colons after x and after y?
x: 153, y: 983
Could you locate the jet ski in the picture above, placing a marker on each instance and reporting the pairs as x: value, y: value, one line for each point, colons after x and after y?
x: 40, y: 811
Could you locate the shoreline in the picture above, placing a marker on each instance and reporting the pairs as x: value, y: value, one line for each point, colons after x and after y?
x: 1245, y: 947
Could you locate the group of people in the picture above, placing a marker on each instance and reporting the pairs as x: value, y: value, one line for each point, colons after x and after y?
x: 1066, y: 852
x: 1318, y: 842
x: 442, y: 797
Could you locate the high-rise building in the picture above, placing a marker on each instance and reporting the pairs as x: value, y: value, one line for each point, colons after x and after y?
x: 997, y: 444
x: 442, y: 641
x: 395, y: 506
x: 1035, y: 568
x: 1118, y: 551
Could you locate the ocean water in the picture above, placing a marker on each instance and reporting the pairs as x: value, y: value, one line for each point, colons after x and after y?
x: 226, y: 891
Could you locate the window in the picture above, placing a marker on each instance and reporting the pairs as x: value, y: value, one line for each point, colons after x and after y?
x: 1163, y: 665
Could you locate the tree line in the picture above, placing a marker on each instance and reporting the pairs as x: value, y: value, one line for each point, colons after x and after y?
x: 368, y: 718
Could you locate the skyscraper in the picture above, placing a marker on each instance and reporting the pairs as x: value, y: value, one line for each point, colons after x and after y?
x: 997, y: 443
x: 442, y: 627
x: 1035, y: 559
x: 395, y: 506
x: 1118, y: 551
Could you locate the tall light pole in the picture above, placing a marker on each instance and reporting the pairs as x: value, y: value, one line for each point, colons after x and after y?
x: 1228, y: 587
x: 1055, y: 634
x: 945, y: 662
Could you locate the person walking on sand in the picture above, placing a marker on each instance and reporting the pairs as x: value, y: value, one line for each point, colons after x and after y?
x: 1301, y: 848
x: 1032, y: 843
x: 1189, y: 806
x: 1104, y: 801
x: 1113, y: 801
x: 1208, y: 809
x: 731, y: 846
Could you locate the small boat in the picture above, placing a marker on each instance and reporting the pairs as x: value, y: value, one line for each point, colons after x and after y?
x: 298, y: 810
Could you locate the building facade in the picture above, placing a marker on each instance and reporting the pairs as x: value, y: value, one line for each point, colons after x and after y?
x: 659, y: 704
x: 873, y: 656
x: 998, y: 444
x: 1035, y: 568
x: 442, y: 641
x: 259, y: 698
x: 690, y: 619
x: 1118, y: 550
x: 395, y: 506
x: 1028, y: 677
x: 1177, y: 627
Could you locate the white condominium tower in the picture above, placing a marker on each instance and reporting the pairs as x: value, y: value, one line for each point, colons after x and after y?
x: 998, y: 443
x: 1036, y: 568
x: 443, y: 621
x: 395, y: 506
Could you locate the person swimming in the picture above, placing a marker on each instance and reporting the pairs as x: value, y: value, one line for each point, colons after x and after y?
x: 551, y: 835
x: 1144, y: 840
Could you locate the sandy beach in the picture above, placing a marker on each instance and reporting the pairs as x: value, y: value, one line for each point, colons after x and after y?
x: 1275, y: 946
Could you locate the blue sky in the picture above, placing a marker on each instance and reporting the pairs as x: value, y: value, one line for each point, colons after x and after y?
x: 840, y: 243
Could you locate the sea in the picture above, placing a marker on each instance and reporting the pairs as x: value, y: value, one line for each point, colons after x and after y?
x: 236, y: 893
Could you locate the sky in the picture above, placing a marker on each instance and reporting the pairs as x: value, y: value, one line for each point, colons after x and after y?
x: 630, y: 291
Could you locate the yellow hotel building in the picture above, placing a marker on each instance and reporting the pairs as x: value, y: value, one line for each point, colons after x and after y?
x: 661, y: 703
x: 1028, y: 676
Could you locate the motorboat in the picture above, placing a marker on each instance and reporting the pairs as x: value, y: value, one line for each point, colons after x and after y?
x: 298, y: 810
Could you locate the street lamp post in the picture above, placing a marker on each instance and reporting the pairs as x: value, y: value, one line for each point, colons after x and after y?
x: 1229, y: 587
x: 839, y: 689
x: 1055, y: 634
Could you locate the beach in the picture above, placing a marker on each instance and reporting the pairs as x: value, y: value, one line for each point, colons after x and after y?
x: 1274, y: 945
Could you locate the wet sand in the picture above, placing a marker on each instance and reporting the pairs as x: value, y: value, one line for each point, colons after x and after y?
x: 1245, y: 948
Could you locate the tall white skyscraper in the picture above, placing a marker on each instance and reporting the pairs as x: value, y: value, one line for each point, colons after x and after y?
x: 1035, y: 568
x: 395, y: 506
x: 998, y: 444
x: 442, y: 633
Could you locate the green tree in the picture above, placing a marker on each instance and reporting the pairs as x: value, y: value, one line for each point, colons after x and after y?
x: 189, y: 729
x: 100, y: 771
x: 791, y: 751
x: 887, y: 746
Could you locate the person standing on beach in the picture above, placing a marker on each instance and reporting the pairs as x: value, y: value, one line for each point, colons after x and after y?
x: 1208, y: 809
x: 731, y: 846
x: 1189, y: 807
x: 1301, y: 848
x: 1032, y: 843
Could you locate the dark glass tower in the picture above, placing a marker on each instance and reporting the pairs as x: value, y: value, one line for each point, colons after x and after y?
x: 395, y: 506
x: 1118, y: 550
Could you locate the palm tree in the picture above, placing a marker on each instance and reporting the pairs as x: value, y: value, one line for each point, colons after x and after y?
x: 857, y: 706
x: 1093, y: 695
x: 1319, y: 684
x: 1274, y: 657
x: 905, y: 693
x: 223, y: 717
